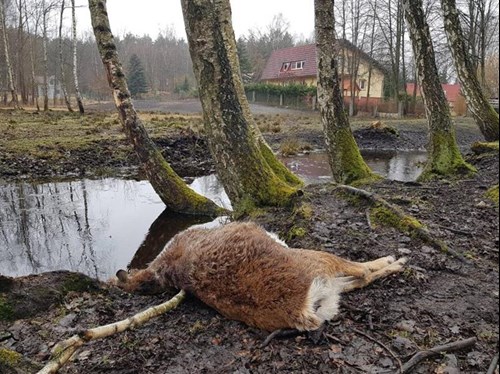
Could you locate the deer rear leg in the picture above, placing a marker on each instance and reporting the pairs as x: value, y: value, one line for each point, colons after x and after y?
x: 379, y: 263
x: 352, y: 282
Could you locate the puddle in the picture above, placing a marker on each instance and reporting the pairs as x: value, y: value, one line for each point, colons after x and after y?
x: 99, y: 226
x: 90, y: 226
x: 404, y: 166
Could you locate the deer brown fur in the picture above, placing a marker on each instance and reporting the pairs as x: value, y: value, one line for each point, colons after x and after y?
x: 246, y: 275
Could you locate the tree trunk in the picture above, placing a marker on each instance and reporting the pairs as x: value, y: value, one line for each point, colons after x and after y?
x: 61, y: 60
x: 245, y: 164
x: 444, y: 156
x: 45, y: 60
x: 10, y: 75
x: 168, y: 185
x: 75, y: 60
x: 345, y: 159
x: 484, y: 114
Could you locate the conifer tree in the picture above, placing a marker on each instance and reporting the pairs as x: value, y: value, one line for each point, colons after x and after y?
x: 136, y: 78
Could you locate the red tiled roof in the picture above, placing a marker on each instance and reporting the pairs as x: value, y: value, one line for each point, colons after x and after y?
x: 451, y: 91
x: 306, y: 53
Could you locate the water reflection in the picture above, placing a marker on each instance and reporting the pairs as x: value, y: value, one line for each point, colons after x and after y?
x: 91, y: 226
x: 402, y: 166
x: 98, y: 226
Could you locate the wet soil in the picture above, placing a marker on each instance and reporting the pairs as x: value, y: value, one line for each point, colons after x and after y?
x: 438, y: 299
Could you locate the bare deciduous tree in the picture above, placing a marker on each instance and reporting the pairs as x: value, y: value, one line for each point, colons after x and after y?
x: 444, y: 156
x: 10, y: 74
x: 345, y: 158
x: 168, y: 185
x: 484, y: 114
x: 245, y: 164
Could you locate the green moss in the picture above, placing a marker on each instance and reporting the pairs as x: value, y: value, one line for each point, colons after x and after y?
x: 492, y: 194
x: 445, y: 160
x: 245, y: 207
x: 6, y: 311
x: 78, y: 283
x: 280, y: 170
x: 346, y: 161
x: 381, y: 215
x: 296, y: 232
x: 9, y: 358
x: 304, y: 211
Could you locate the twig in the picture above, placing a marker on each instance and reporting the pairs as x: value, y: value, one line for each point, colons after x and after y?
x: 436, y: 351
x: 282, y: 333
x: 368, y: 219
x: 455, y: 231
x: 63, y: 351
x: 493, y: 365
x: 393, y: 355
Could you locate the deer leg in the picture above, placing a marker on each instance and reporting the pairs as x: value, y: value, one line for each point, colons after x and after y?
x: 352, y: 282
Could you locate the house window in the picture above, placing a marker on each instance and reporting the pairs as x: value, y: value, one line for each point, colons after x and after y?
x: 297, y: 65
x: 285, y: 66
x: 362, y: 84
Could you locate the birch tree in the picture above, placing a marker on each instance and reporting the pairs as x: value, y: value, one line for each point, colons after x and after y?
x: 10, y: 74
x: 444, y: 156
x: 344, y: 156
x: 45, y: 87
x: 245, y: 164
x: 75, y: 59
x: 168, y: 185
x: 61, y: 59
x: 484, y: 114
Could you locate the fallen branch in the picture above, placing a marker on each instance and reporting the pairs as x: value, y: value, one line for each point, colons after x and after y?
x: 63, y: 351
x: 493, y: 365
x: 436, y: 351
x: 412, y: 225
x: 393, y: 355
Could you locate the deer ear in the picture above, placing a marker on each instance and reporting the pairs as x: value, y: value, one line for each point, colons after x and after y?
x: 122, y: 276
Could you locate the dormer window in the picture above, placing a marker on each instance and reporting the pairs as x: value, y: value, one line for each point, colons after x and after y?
x: 292, y: 65
x: 285, y: 66
x: 298, y: 65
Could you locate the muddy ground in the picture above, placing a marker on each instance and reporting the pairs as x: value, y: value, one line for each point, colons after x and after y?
x: 437, y: 300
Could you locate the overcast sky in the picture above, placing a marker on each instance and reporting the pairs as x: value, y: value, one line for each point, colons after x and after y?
x: 151, y: 16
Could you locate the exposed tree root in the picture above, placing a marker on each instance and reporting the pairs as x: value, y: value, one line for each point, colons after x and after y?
x: 63, y: 351
x: 436, y: 351
x: 404, y: 222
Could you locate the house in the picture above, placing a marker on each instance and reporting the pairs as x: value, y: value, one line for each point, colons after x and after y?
x: 53, y: 88
x: 452, y: 93
x: 298, y: 65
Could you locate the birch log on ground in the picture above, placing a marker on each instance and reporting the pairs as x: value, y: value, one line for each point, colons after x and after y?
x: 345, y: 159
x: 245, y: 164
x: 485, y: 116
x: 64, y: 350
x: 168, y: 185
x: 444, y: 155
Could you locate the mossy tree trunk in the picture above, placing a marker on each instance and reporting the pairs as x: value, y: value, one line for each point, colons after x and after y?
x: 345, y: 159
x: 444, y: 156
x: 244, y: 162
x: 168, y: 185
x: 484, y: 114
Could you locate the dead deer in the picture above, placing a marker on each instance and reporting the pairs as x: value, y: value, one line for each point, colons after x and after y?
x: 246, y: 275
